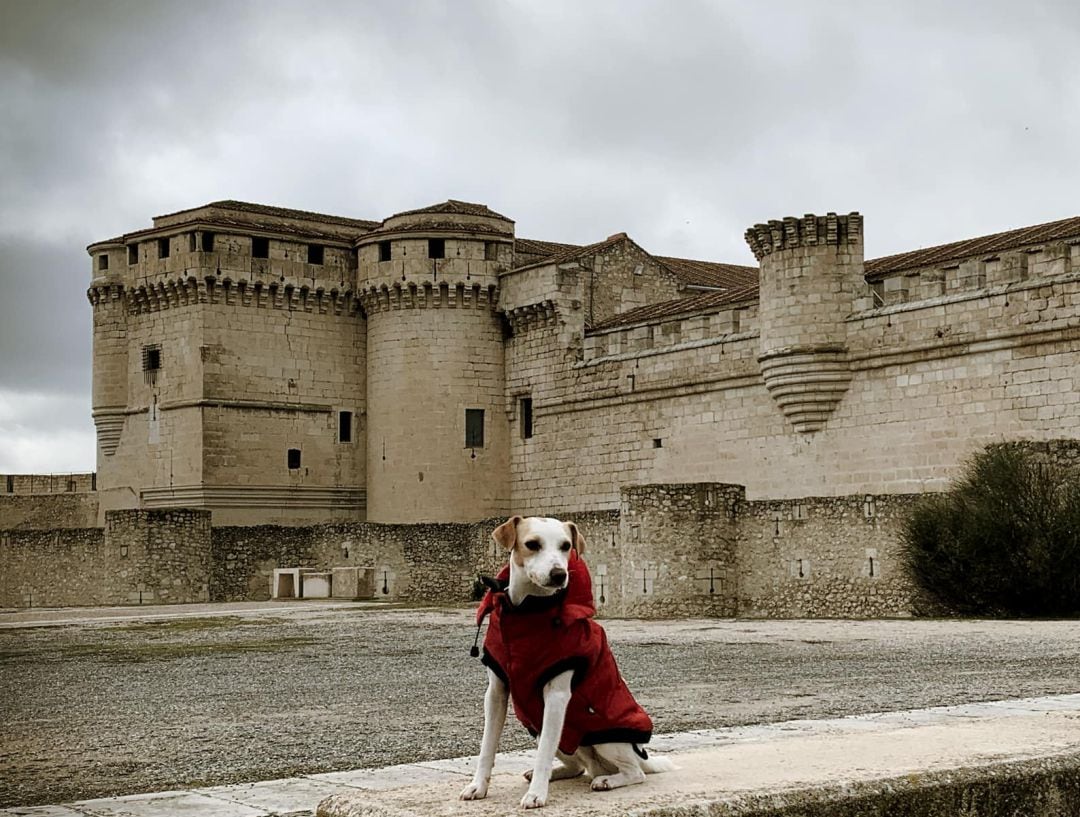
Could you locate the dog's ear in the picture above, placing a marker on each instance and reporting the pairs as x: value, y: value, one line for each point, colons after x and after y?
x: 576, y: 537
x: 506, y: 534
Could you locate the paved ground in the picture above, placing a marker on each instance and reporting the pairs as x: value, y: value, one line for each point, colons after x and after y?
x: 112, y: 702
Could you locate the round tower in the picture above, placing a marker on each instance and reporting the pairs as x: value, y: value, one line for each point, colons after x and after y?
x: 110, y: 349
x: 437, y: 428
x: 811, y: 271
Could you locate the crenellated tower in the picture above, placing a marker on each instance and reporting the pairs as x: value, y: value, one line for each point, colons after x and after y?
x: 811, y: 270
x: 110, y: 349
x: 437, y: 432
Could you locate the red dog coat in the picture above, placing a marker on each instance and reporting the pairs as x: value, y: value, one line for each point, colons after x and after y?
x: 528, y: 645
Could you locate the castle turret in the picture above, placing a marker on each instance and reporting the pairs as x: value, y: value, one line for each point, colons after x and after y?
x: 438, y: 433
x: 110, y: 373
x: 811, y: 269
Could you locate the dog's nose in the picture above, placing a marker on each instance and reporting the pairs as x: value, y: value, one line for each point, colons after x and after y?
x: 557, y: 576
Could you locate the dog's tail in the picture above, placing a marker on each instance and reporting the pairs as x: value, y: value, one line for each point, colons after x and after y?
x: 654, y: 764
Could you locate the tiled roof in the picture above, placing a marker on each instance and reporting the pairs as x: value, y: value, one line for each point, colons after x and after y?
x: 982, y: 245
x: 281, y: 212
x: 710, y: 273
x: 530, y: 250
x: 680, y: 306
x: 462, y: 208
x: 573, y: 252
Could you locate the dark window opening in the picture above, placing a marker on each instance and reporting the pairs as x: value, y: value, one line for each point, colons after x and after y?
x: 491, y: 251
x: 191, y: 242
x: 71, y: 486
x: 344, y: 426
x: 103, y: 262
x: 315, y: 254
x: 163, y: 248
x: 526, y: 418
x: 474, y: 428
x: 384, y: 250
x: 93, y: 481
x: 207, y: 242
x: 10, y: 484
x: 260, y: 247
x: 293, y: 459
x: 133, y: 254
x: 436, y: 248
x: 151, y: 363
x: 658, y: 442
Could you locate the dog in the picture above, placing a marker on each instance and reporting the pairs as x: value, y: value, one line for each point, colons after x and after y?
x: 545, y: 653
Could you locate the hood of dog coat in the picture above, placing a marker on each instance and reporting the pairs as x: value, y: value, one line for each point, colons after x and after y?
x: 576, y: 600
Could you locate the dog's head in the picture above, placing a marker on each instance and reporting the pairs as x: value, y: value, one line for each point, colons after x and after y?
x: 540, y: 547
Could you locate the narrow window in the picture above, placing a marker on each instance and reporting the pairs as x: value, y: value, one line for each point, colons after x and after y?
x: 344, y: 427
x: 10, y: 483
x: 163, y: 248
x: 192, y: 244
x: 260, y: 247
x: 315, y: 254
x: 474, y: 428
x: 133, y: 254
x: 71, y: 486
x: 491, y: 251
x: 436, y: 248
x: 93, y: 481
x: 151, y: 363
x: 384, y: 250
x: 526, y: 418
x: 293, y: 458
x: 207, y: 242
x: 102, y: 262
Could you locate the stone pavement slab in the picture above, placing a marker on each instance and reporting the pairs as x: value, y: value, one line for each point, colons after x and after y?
x: 715, y: 766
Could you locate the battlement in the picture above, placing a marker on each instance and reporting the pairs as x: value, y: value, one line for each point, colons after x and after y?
x: 808, y: 231
x: 461, y: 295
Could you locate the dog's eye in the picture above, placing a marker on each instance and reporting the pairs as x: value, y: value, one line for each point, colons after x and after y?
x: 566, y: 546
x: 532, y: 544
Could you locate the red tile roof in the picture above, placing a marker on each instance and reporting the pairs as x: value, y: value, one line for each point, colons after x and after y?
x: 980, y: 246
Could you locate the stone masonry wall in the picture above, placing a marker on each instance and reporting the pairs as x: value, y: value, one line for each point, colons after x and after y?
x: 48, y: 511
x: 139, y: 557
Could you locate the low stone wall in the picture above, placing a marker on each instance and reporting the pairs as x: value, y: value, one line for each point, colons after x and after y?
x: 139, y: 557
x: 48, y: 511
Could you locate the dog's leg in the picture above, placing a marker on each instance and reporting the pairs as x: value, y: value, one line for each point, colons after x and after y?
x: 571, y: 767
x: 556, y: 699
x: 495, y: 700
x: 622, y: 757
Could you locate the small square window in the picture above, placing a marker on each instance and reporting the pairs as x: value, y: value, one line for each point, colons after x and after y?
x: 474, y: 428
x: 384, y: 250
x: 103, y: 262
x: 260, y: 247
x: 151, y: 360
x: 315, y: 254
x: 344, y: 426
x: 436, y: 248
x: 207, y: 242
x: 133, y: 254
x: 491, y: 251
x: 657, y: 442
x: 293, y: 459
x: 163, y: 248
x: 526, y: 418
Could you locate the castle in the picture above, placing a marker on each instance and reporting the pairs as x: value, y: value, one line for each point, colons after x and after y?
x: 287, y: 368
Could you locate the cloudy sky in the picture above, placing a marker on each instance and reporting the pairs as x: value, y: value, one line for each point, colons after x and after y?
x: 680, y: 122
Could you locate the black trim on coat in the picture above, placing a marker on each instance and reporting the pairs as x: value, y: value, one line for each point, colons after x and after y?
x: 493, y: 665
x: 578, y: 663
x: 616, y: 736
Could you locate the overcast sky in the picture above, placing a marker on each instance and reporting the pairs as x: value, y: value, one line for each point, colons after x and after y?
x: 679, y: 122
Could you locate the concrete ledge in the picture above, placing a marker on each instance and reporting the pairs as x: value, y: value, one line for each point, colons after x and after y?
x: 984, y: 765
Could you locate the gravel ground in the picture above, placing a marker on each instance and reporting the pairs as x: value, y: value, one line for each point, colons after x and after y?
x: 96, y: 709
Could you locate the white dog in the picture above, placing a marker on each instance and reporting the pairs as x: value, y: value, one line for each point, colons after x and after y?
x: 544, y: 652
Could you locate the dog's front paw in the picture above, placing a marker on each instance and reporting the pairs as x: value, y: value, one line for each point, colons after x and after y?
x: 474, y: 791
x: 533, y: 800
x: 601, y: 783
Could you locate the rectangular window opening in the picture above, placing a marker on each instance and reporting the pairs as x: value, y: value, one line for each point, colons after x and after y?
x: 658, y: 442
x: 293, y: 459
x: 260, y: 247
x: 207, y: 242
x: 103, y: 262
x: 71, y: 486
x: 436, y: 248
x: 133, y: 254
x: 315, y: 254
x: 192, y: 242
x: 10, y: 484
x: 384, y: 250
x: 344, y: 426
x: 491, y: 251
x: 474, y: 428
x: 163, y: 248
x: 526, y: 418
x: 151, y: 363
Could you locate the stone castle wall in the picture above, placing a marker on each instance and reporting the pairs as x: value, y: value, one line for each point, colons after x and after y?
x: 139, y: 557
x: 47, y: 501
